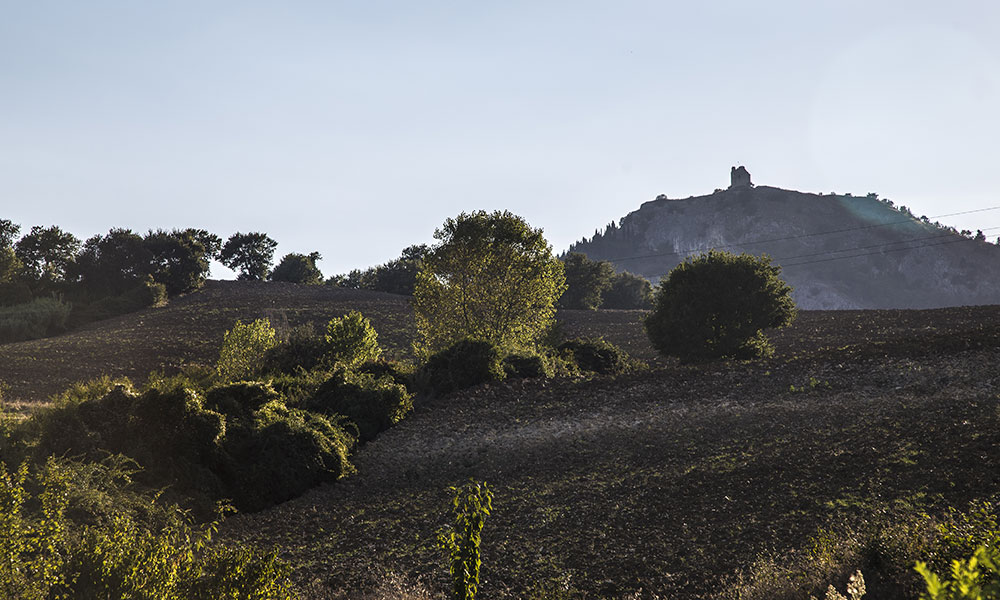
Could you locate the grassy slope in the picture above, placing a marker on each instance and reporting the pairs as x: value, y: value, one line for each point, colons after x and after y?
x: 665, y: 480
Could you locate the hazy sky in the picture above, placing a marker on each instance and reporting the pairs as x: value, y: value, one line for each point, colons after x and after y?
x: 356, y: 128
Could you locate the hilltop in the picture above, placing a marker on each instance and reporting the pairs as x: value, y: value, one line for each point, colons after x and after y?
x: 837, y: 251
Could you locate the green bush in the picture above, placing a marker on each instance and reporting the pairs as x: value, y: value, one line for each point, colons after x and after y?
x: 372, y: 404
x: 462, y: 365
x: 379, y: 369
x: 524, y: 365
x: 717, y: 305
x: 278, y: 453
x: 243, y: 349
x: 351, y: 340
x: 45, y: 555
x: 595, y: 355
x: 242, y: 442
x: 36, y: 319
x: 302, y: 349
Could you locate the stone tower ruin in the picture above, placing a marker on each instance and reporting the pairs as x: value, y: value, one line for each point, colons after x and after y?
x: 739, y: 177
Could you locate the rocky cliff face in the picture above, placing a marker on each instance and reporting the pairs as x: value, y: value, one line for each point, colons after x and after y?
x: 837, y: 252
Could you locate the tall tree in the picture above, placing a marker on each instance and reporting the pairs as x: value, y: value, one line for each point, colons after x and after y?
x: 47, y: 253
x: 298, y: 268
x: 114, y: 263
x: 250, y: 254
x: 490, y: 277
x: 586, y: 281
x: 181, y: 258
x: 628, y: 291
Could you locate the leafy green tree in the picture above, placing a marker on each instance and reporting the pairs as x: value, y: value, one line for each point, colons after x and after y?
x: 351, y: 340
x: 398, y: 276
x: 717, y: 305
x: 249, y: 253
x: 47, y: 253
x: 491, y: 277
x: 243, y: 349
x: 181, y: 258
x: 10, y: 265
x: 586, y: 281
x: 8, y: 231
x: 112, y: 264
x: 298, y: 268
x: 628, y: 292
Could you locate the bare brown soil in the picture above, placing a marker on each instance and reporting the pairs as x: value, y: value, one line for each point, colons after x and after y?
x: 188, y: 330
x: 666, y: 481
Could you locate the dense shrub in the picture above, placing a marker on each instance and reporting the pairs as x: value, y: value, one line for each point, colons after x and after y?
x: 525, y: 365
x: 717, y: 305
x: 462, y: 365
x: 243, y: 349
x: 301, y: 350
x: 277, y: 453
x: 242, y: 442
x: 595, y: 355
x: 379, y: 369
x: 38, y: 318
x: 372, y: 404
x: 351, y: 340
x: 46, y: 556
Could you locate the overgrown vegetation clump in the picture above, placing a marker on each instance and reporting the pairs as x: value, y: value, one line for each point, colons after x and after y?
x: 46, y: 554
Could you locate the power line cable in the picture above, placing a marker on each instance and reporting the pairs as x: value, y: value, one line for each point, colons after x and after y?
x: 796, y: 237
x: 882, y: 251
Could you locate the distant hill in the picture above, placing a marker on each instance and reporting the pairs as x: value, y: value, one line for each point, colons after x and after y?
x: 837, y: 251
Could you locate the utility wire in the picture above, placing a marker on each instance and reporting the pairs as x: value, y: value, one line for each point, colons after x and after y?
x: 796, y: 237
x: 882, y: 251
x: 918, y: 246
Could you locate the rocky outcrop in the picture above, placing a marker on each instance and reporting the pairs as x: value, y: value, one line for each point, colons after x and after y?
x: 837, y: 252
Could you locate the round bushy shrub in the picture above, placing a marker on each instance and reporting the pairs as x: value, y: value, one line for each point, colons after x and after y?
x: 527, y: 366
x: 302, y: 350
x: 595, y: 355
x: 717, y: 305
x: 279, y: 452
x: 351, y: 340
x: 462, y: 365
x: 372, y: 404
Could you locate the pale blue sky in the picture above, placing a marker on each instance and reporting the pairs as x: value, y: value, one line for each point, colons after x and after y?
x: 356, y: 128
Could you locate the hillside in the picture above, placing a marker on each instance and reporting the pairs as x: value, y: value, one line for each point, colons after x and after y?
x: 669, y: 480
x: 190, y: 329
x: 837, y: 252
x: 673, y: 480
